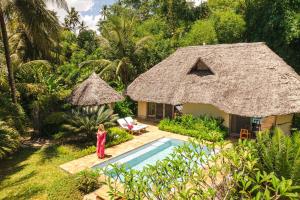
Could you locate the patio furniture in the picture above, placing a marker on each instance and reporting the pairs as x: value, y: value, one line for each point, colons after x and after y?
x: 129, y: 127
x: 244, y: 134
x: 130, y: 121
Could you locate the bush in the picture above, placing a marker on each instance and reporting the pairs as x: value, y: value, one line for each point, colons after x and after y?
x: 280, y: 154
x: 204, y: 127
x: 9, y: 140
x: 117, y: 136
x: 84, y: 121
x: 64, y: 188
x: 125, y: 108
x: 201, y: 171
x: 87, y: 181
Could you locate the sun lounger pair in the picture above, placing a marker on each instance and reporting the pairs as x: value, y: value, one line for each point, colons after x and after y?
x: 129, y: 124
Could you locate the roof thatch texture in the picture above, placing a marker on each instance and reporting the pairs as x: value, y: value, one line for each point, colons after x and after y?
x: 94, y: 91
x: 248, y: 79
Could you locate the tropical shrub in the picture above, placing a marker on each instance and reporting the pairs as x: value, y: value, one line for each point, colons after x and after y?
x: 64, y: 188
x: 84, y: 121
x: 195, y: 171
x: 125, y: 108
x: 9, y: 140
x: 207, y: 128
x: 280, y: 154
x: 117, y: 136
x: 87, y: 181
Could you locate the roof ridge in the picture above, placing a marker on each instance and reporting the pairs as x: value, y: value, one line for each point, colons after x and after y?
x: 232, y: 45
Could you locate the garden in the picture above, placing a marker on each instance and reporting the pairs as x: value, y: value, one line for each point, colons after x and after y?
x: 43, y: 58
x: 201, y: 127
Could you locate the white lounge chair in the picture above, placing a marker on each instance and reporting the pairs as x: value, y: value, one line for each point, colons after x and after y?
x: 129, y: 120
x: 134, y: 129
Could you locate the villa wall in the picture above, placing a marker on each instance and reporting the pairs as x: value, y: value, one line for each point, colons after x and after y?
x: 284, y: 122
x: 142, y: 110
x: 205, y: 109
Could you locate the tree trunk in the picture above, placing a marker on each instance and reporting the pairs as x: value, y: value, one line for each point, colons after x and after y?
x: 10, y: 74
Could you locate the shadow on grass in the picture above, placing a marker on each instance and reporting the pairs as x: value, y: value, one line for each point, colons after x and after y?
x: 11, y: 165
x: 25, y: 193
x: 49, y: 152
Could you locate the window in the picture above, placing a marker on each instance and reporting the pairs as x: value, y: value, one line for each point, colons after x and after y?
x: 151, y: 109
x: 201, y: 69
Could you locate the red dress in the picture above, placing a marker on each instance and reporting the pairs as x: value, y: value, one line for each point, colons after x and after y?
x: 101, y: 137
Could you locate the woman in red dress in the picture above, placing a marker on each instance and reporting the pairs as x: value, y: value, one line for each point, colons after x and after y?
x: 101, y: 137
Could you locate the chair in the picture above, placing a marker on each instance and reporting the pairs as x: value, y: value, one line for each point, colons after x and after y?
x: 125, y: 125
x: 130, y: 121
x: 244, y: 134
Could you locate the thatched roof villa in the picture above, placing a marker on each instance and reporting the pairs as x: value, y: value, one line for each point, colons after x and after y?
x: 242, y: 83
x: 94, y: 91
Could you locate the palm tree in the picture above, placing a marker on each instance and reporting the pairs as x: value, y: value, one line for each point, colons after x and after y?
x: 84, y: 121
x: 72, y: 20
x: 82, y: 26
x: 118, y: 33
x: 7, y: 57
x: 38, y: 24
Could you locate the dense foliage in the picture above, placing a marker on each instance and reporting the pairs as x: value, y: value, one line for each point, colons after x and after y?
x: 87, y: 181
x: 202, y: 127
x: 84, y: 121
x: 45, y: 59
x: 116, y: 136
x: 280, y: 154
x: 200, y: 170
x: 9, y: 140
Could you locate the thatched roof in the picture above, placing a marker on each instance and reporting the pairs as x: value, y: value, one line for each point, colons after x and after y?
x: 94, y: 91
x: 247, y: 79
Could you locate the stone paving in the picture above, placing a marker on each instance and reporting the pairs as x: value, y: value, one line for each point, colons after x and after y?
x: 153, y: 133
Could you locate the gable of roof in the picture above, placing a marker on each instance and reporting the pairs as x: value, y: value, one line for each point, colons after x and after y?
x: 248, y: 79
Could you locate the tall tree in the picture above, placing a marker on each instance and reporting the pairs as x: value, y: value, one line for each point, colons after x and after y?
x: 36, y: 21
x: 10, y: 75
x: 72, y: 20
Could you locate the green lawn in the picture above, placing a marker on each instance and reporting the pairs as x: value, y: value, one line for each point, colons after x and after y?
x: 34, y: 173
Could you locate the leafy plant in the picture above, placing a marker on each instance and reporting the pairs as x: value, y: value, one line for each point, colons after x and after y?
x: 87, y: 181
x: 207, y: 128
x: 84, y: 121
x: 280, y: 154
x: 116, y: 136
x: 199, y: 170
x: 9, y: 140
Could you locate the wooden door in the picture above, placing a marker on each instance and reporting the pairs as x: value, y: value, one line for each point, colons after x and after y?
x: 239, y: 122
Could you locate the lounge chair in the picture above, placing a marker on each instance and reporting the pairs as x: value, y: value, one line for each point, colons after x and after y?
x: 130, y: 121
x: 125, y: 125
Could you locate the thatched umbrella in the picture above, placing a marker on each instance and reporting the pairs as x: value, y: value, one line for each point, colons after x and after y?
x: 94, y: 91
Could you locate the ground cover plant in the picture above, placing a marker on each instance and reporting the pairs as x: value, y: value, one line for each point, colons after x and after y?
x: 194, y: 172
x: 204, y: 127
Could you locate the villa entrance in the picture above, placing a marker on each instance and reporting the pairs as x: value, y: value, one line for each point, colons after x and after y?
x: 159, y: 111
x: 239, y: 122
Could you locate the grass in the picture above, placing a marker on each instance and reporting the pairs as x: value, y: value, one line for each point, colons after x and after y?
x: 34, y: 173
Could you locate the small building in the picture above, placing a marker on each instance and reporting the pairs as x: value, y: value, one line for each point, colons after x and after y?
x: 94, y: 92
x: 245, y: 84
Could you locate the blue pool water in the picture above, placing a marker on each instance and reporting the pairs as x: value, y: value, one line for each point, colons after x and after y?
x: 147, y: 154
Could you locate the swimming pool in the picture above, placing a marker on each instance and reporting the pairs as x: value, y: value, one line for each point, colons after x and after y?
x: 147, y: 154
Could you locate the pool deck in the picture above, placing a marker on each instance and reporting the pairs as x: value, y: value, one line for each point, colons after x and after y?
x: 153, y: 133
